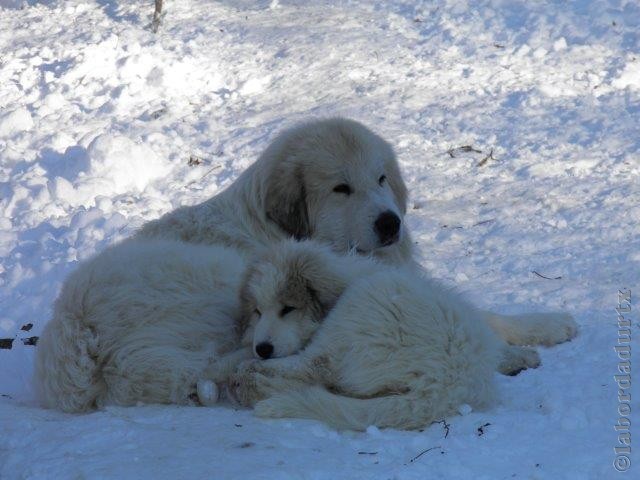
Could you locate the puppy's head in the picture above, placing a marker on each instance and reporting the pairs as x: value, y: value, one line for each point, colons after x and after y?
x: 285, y: 296
x: 337, y: 182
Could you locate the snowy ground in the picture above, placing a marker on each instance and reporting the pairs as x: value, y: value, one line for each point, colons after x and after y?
x: 104, y: 125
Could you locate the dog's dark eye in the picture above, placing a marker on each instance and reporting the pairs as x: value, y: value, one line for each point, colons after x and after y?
x: 286, y: 309
x: 382, y: 179
x: 343, y: 188
x: 257, y: 312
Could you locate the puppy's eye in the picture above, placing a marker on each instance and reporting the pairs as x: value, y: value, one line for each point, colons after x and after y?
x: 343, y: 188
x: 257, y: 312
x: 286, y: 309
x: 382, y: 179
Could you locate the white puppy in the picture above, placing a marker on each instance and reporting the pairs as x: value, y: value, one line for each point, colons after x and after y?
x: 354, y: 343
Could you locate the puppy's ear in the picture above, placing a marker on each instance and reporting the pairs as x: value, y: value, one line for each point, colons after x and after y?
x: 286, y: 202
x: 394, y: 177
x: 324, y: 285
x: 323, y: 300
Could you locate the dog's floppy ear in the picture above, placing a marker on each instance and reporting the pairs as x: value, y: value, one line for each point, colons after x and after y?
x: 394, y: 177
x: 323, y: 300
x: 285, y: 201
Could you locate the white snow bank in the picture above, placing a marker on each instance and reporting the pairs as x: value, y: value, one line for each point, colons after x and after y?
x: 112, y: 165
x: 630, y: 76
x: 16, y: 121
x: 130, y: 166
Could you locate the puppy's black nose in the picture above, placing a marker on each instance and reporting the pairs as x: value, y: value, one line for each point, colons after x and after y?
x: 264, y: 350
x: 387, y: 227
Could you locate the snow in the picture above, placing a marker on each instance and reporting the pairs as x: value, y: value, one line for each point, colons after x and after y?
x: 17, y: 121
x: 630, y: 76
x: 104, y: 125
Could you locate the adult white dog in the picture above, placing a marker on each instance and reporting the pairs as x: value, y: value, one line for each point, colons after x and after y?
x: 359, y: 343
x: 331, y: 180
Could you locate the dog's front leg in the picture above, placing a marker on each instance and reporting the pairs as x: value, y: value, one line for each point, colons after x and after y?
x: 255, y: 380
x: 295, y: 367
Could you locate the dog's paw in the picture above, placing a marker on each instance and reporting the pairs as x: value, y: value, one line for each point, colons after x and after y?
x: 562, y: 329
x: 248, y: 387
x: 207, y: 392
x: 255, y: 366
x: 251, y: 365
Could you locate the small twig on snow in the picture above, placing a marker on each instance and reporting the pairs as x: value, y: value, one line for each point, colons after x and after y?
x: 486, y: 159
x: 422, y: 453
x: 464, y: 148
x: 215, y: 167
x: 445, y: 426
x: 545, y: 277
x: 157, y: 14
x: 482, y: 222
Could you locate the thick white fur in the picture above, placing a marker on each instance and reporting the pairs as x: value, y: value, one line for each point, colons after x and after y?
x: 139, y: 323
x: 396, y: 348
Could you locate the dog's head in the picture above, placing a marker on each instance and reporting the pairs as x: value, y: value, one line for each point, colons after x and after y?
x: 337, y: 182
x: 285, y: 296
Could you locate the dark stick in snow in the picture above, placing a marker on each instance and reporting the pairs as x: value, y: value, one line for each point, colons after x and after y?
x: 156, y: 16
x: 546, y: 278
x: 422, y: 453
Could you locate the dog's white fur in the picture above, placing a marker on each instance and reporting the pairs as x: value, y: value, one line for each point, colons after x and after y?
x: 139, y: 323
x: 288, y: 191
x: 360, y: 343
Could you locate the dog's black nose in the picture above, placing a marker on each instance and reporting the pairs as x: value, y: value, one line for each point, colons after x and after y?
x: 264, y: 350
x: 387, y: 227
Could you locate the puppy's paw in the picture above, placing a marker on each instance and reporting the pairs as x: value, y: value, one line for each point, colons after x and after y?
x: 254, y: 366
